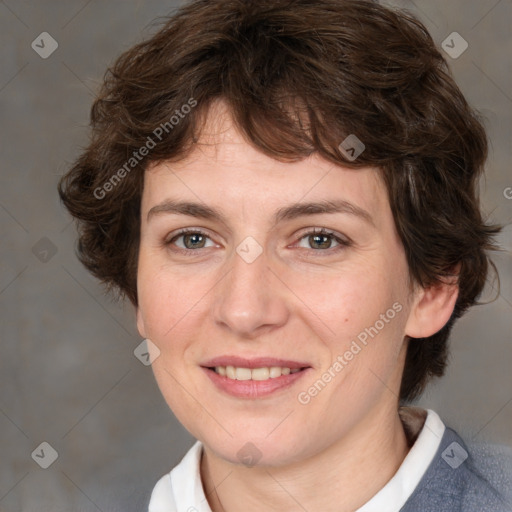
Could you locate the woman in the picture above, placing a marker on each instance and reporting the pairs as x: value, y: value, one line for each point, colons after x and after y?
x: 286, y: 192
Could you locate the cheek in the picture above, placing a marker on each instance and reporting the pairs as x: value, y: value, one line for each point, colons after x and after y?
x: 345, y: 300
x: 360, y: 312
x: 170, y: 306
x: 168, y: 300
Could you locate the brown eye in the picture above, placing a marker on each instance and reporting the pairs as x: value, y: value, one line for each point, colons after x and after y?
x: 193, y: 241
x: 321, y: 241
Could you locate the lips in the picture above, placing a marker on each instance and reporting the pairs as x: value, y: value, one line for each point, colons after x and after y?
x: 247, y: 388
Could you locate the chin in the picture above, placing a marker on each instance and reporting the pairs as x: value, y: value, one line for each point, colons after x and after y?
x: 255, y: 451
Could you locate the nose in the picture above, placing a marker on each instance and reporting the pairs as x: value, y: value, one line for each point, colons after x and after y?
x: 251, y: 299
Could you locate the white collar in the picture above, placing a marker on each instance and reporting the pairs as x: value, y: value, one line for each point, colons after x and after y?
x: 181, y: 490
x: 397, y: 491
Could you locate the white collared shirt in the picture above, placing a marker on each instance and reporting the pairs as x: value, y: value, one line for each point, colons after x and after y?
x: 181, y: 490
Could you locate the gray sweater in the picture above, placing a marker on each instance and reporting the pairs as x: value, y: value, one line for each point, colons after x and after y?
x: 464, y: 480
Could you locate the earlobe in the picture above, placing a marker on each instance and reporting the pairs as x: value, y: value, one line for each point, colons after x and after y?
x: 140, y: 323
x: 432, y: 308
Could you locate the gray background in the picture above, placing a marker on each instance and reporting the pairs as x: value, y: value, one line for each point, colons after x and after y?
x: 68, y: 375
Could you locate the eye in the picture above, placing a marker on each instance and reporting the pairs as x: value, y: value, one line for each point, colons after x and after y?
x: 321, y: 240
x: 192, y: 239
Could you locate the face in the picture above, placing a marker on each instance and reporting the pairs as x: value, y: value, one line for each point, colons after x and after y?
x: 260, y: 281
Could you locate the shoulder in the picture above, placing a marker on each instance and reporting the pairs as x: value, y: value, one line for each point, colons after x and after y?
x: 492, y: 466
x: 466, y: 478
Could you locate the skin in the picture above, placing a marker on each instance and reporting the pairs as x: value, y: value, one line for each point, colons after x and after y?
x: 294, y: 301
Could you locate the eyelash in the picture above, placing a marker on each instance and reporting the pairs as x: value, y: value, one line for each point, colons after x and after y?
x: 343, y: 244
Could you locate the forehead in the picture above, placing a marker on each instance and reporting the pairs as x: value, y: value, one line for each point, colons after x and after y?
x: 225, y: 170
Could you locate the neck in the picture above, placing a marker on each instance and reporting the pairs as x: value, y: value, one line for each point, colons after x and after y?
x: 341, y: 478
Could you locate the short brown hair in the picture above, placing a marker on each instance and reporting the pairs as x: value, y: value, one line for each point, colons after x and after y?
x: 300, y: 76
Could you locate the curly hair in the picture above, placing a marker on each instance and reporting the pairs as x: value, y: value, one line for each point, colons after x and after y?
x: 299, y: 76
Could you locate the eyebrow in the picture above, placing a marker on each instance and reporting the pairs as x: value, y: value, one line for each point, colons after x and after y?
x: 289, y: 212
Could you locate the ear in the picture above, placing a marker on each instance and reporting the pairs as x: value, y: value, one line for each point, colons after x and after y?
x: 432, y: 308
x: 140, y: 323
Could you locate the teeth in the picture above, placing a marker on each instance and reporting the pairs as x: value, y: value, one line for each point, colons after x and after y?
x: 242, y: 374
x: 275, y: 371
x: 260, y: 373
x: 230, y: 372
x: 235, y: 373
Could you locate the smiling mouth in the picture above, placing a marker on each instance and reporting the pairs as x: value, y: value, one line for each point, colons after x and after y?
x: 257, y: 374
